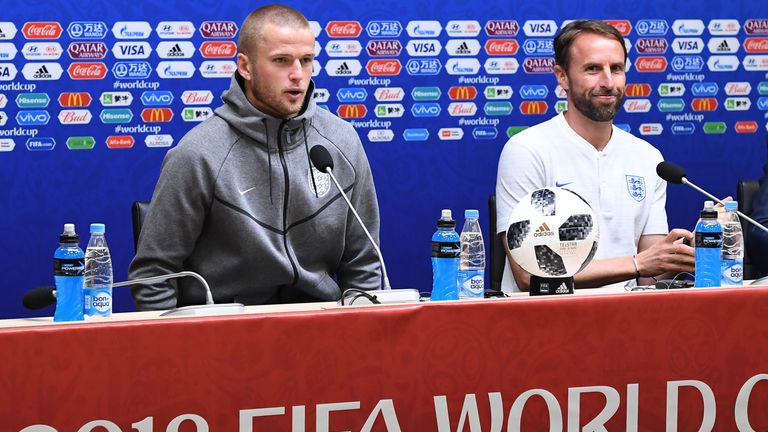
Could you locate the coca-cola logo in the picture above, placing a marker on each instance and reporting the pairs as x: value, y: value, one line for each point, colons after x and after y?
x: 385, y: 48
x: 346, y: 29
x: 623, y: 26
x: 502, y: 28
x: 756, y: 45
x: 87, y: 71
x: 383, y: 67
x: 87, y: 50
x: 651, y: 64
x: 42, y: 30
x: 218, y: 49
x: 651, y: 45
x: 218, y: 29
x: 501, y: 47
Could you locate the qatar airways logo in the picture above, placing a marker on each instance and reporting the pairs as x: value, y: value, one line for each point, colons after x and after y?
x: 87, y: 50
x: 651, y: 46
x: 218, y: 29
x: 502, y: 28
x: 756, y: 26
x: 384, y: 48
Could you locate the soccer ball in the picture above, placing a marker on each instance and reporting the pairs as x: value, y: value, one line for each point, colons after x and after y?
x: 552, y: 233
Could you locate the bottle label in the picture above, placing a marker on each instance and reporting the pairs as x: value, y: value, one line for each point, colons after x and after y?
x: 731, y: 272
x: 445, y: 249
x: 98, y: 301
x: 709, y: 239
x: 471, y: 283
x: 68, y: 266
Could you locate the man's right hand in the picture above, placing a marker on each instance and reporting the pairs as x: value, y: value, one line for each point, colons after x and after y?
x: 667, y: 255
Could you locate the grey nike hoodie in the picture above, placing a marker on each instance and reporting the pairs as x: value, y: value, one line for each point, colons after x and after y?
x: 239, y: 202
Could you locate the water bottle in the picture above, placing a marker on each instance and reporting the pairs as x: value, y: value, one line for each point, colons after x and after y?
x: 445, y: 259
x: 732, y: 255
x: 471, y: 258
x: 709, y: 237
x: 68, y: 276
x: 98, y: 275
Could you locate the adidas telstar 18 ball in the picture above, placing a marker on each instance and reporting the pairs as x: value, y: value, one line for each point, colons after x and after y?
x: 552, y: 233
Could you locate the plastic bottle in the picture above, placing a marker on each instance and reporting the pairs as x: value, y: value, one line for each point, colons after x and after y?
x: 445, y: 259
x: 709, y: 237
x: 732, y: 254
x: 68, y: 275
x: 472, y: 258
x: 98, y: 274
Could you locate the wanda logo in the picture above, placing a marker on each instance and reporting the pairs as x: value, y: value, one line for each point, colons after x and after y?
x: 218, y: 49
x: 384, y: 67
x: 501, y: 47
x: 756, y: 45
x: 87, y: 71
x: 651, y: 64
x: 348, y: 29
x: 42, y: 30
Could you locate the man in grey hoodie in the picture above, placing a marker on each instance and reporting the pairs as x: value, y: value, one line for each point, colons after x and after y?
x: 238, y: 200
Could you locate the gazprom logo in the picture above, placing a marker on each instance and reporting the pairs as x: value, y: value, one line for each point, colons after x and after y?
x: 683, y: 128
x: 156, y: 98
x: 424, y: 28
x: 423, y: 66
x: 652, y: 27
x: 704, y: 89
x: 687, y: 63
x: 41, y: 144
x: 425, y: 109
x: 417, y: 134
x: 384, y: 29
x: 539, y: 47
x: 485, y: 132
x: 723, y: 63
x: 531, y: 91
x: 175, y: 69
x: 688, y: 27
x: 462, y: 66
x: 351, y: 94
x: 131, y: 30
x: 32, y: 117
x: 131, y: 70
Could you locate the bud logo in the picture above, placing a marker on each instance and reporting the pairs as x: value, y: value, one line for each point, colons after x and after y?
x: 723, y: 45
x: 351, y: 111
x: 153, y: 141
x: 462, y: 66
x: 38, y: 51
x: 687, y: 63
x: 688, y: 27
x: 745, y: 127
x: 423, y: 66
x: 217, y: 68
x: 462, y: 93
x: 651, y: 129
x: 175, y: 29
x: 343, y: 29
x: 533, y: 107
x: 737, y: 103
x: 385, y: 94
x: 756, y: 26
x: 423, y: 109
x: 343, y: 68
x: 538, y: 47
x: 345, y: 48
x: 131, y: 30
x: 485, y: 133
x: 116, y: 98
x: 320, y: 95
x: 8, y: 51
x: 651, y: 64
x: 463, y: 47
x: 32, y: 100
x: 756, y: 45
x: 176, y: 49
x: 120, y: 141
x: 175, y: 69
x: 423, y: 48
x: 683, y: 128
x: 196, y: 114
x: 498, y: 92
x: 534, y: 65
x: 501, y: 65
x: 425, y: 93
x: 81, y: 116
x: 418, y: 134
x: 218, y: 49
x: 450, y: 134
x: 351, y: 94
x: 652, y: 27
x: 755, y: 62
x: 637, y: 105
x: 497, y: 108
x: 3, y: 101
x: 384, y: 48
x: 42, y: 30
x: 389, y: 110
x: 651, y: 46
x: 200, y: 97
x: 383, y: 67
x: 87, y: 50
x: 687, y: 45
x: 531, y: 91
x: 423, y: 29
x: 87, y: 30
x: 704, y: 104
x: 116, y: 115
x: 156, y: 115
x: 131, y: 70
x: 502, y: 46
x: 384, y: 28
x: 7, y: 144
x: 540, y: 28
x: 380, y: 135
x: 741, y: 88
x: 462, y: 28
x: 32, y: 118
x: 670, y: 105
x: 41, y: 144
x: 7, y: 71
x: 156, y: 98
x: 218, y: 29
x: 79, y: 99
x: 42, y: 71
x: 623, y: 26
x: 638, y: 90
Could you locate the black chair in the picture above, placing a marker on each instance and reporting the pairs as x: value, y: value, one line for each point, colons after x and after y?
x: 498, y: 255
x: 139, y: 211
x: 746, y: 191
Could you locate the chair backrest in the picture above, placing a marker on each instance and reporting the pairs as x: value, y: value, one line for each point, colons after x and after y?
x: 138, y: 214
x: 498, y: 255
x: 746, y: 191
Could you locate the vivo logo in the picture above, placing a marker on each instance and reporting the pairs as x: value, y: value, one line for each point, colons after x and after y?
x: 683, y: 128
x: 419, y: 134
x: 463, y: 66
x: 423, y: 48
x: 131, y: 70
x: 351, y: 94
x: 425, y: 109
x: 704, y: 89
x: 539, y: 47
x: 534, y: 92
x: 156, y: 98
x: 423, y: 29
x: 652, y: 27
x: 423, y: 67
x: 687, y: 63
x: 540, y: 28
x: 723, y: 63
x: 762, y: 104
x: 688, y: 27
x: 131, y: 50
x: 32, y: 118
x: 383, y: 29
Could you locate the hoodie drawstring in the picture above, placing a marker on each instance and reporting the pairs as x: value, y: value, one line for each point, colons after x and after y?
x: 269, y: 157
x: 309, y: 162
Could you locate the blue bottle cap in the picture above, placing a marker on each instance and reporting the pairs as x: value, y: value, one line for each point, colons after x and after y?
x: 731, y: 205
x: 97, y: 228
x: 471, y: 213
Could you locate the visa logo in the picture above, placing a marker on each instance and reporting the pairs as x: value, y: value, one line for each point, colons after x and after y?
x: 534, y: 91
x: 351, y: 94
x: 422, y: 109
x: 131, y: 50
x: 423, y: 47
x: 32, y: 117
x: 156, y: 98
x: 687, y: 45
x: 419, y: 134
x: 704, y: 89
x: 540, y: 28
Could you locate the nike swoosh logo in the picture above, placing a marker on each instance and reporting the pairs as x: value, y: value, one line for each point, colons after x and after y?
x: 558, y: 184
x: 243, y: 192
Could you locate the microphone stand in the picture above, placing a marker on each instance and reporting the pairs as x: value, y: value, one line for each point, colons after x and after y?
x: 747, y: 218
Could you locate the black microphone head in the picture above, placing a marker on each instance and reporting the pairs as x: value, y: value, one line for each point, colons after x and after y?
x: 320, y: 158
x: 40, y: 297
x: 670, y: 172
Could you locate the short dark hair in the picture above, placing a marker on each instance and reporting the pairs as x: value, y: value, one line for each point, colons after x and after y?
x: 281, y: 15
x: 569, y: 33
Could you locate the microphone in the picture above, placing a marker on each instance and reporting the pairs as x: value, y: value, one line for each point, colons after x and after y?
x: 675, y: 174
x: 40, y: 297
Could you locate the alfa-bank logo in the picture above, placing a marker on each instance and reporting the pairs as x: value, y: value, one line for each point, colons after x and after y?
x: 343, y: 29
x: 175, y: 29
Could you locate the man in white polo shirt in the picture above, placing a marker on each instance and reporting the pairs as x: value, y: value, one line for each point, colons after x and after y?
x: 612, y: 170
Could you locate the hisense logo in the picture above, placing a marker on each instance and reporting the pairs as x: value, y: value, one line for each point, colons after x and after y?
x: 543, y: 230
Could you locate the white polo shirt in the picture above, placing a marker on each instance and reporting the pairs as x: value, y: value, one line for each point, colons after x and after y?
x: 620, y: 183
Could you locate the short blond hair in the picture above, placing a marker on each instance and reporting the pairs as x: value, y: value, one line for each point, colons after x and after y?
x: 277, y: 14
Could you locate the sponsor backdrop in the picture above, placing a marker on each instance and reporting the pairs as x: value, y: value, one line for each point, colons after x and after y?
x: 91, y: 98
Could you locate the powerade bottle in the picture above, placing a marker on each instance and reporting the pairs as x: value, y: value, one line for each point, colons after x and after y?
x: 68, y: 265
x: 98, y: 274
x: 709, y: 238
x: 472, y: 258
x: 732, y: 256
x: 445, y: 259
